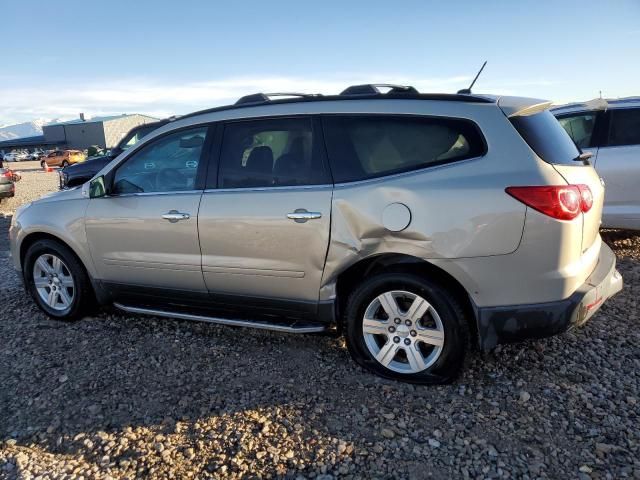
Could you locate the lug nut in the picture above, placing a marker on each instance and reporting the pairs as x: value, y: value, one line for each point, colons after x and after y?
x: 407, y: 323
x: 392, y: 329
x: 397, y: 320
x: 396, y: 339
x: 413, y: 333
x: 407, y: 341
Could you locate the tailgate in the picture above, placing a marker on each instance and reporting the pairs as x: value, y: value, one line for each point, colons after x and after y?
x: 540, y: 129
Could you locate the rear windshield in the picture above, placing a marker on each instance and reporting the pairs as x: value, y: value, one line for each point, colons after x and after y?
x: 547, y: 138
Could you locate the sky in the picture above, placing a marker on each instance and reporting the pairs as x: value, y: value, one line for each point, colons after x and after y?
x: 60, y: 58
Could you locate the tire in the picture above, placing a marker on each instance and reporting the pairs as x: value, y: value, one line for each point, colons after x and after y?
x: 65, y: 164
x: 42, y: 164
x: 443, y: 322
x: 80, y: 296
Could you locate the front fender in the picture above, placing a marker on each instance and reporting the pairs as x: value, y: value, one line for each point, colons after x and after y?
x: 62, y: 219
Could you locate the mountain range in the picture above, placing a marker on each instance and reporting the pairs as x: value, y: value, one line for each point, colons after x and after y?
x: 26, y: 129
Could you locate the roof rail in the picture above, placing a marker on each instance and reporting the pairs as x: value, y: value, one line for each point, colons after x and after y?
x: 265, y: 97
x: 374, y: 89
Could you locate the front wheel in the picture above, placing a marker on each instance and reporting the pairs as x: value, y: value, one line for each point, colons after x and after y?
x: 57, y: 281
x: 407, y: 328
x: 42, y: 164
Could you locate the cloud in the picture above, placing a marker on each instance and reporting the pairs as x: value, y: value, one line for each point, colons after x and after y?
x: 160, y: 99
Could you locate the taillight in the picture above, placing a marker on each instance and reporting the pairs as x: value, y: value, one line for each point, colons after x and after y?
x: 586, y: 197
x: 562, y: 202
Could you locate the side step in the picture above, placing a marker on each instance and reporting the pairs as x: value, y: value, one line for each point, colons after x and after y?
x: 294, y: 327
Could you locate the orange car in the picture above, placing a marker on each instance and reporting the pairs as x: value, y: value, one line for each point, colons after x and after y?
x: 62, y: 158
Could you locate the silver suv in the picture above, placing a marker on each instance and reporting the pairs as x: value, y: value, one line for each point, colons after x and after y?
x: 610, y: 131
x: 414, y: 224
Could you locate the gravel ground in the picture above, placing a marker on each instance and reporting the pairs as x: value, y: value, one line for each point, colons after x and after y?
x: 118, y: 396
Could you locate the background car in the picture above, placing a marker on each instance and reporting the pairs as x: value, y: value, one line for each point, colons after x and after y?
x: 75, y: 175
x: 22, y: 156
x: 36, y: 155
x: 610, y: 130
x: 11, y: 157
x: 7, y: 183
x: 62, y: 158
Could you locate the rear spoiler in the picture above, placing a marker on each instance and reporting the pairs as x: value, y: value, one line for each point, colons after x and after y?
x: 522, y: 106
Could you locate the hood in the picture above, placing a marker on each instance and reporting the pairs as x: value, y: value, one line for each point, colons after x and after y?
x: 97, y: 157
x: 97, y: 160
x: 71, y: 194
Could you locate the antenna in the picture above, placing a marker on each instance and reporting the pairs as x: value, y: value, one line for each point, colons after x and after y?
x: 468, y: 90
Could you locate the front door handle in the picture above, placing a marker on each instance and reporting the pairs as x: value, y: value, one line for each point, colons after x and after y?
x: 301, y: 215
x: 175, y: 216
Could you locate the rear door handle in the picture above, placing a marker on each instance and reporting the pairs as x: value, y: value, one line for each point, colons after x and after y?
x: 175, y: 216
x: 301, y: 215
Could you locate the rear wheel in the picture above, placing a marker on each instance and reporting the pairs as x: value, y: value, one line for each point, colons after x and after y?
x: 407, y: 328
x: 57, y: 281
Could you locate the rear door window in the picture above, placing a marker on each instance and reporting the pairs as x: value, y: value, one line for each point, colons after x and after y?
x: 366, y: 146
x: 270, y: 153
x: 624, y: 127
x: 547, y: 138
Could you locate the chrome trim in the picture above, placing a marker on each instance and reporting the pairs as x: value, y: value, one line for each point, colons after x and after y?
x: 259, y: 189
x: 304, y: 215
x: 222, y: 321
x: 148, y: 194
x: 175, y: 216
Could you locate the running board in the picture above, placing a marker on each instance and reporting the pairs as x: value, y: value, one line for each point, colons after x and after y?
x: 295, y: 327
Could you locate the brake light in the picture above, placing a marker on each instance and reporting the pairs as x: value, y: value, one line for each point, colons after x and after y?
x: 562, y: 202
x: 586, y: 197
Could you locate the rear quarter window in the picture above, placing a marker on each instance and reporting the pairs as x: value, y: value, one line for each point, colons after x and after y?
x: 547, y: 138
x: 366, y: 146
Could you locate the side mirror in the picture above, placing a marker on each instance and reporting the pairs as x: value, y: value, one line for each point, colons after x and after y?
x: 96, y: 187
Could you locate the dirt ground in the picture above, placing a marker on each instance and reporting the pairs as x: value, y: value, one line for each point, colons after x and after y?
x: 122, y: 396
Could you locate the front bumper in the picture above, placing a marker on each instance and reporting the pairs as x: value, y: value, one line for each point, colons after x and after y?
x: 515, y: 323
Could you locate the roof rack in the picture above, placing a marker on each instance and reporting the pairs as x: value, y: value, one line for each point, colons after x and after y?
x: 264, y: 97
x: 370, y: 91
x: 374, y: 89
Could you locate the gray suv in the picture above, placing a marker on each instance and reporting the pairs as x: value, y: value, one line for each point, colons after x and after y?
x: 610, y: 131
x: 414, y: 224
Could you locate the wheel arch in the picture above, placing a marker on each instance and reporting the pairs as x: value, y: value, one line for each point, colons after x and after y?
x: 33, y: 237
x: 402, y: 263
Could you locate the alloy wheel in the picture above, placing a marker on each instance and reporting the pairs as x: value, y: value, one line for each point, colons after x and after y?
x: 403, y: 331
x: 54, y: 282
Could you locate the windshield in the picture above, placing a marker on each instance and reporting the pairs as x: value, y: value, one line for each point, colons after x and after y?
x: 135, y: 137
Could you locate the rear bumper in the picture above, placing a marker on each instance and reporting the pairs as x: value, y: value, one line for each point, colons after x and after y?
x: 515, y: 323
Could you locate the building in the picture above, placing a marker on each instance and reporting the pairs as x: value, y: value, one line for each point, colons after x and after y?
x: 104, y: 132
x: 80, y: 134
